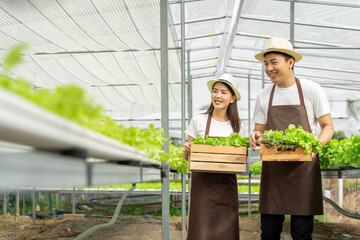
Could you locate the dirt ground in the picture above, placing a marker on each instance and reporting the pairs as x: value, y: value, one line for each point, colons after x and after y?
x: 147, y: 227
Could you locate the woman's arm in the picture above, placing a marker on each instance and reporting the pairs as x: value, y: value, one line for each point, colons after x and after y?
x: 187, y: 147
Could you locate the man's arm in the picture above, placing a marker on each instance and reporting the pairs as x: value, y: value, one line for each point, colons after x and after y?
x: 256, y: 135
x: 327, y: 128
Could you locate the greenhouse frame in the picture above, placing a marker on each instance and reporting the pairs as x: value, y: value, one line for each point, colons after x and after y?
x: 147, y: 62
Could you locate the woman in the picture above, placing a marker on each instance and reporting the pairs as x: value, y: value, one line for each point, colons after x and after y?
x: 214, y: 196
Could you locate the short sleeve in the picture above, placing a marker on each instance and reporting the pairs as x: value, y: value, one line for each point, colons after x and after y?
x: 320, y: 102
x: 192, y: 130
x: 259, y: 114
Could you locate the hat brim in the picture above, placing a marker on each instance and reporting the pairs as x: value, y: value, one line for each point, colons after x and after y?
x: 295, y: 55
x: 212, y: 82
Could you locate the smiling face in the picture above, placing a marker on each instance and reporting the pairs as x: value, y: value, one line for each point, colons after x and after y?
x: 221, y: 97
x: 278, y: 69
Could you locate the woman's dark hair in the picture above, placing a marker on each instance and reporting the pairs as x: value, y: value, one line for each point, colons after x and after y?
x: 231, y: 112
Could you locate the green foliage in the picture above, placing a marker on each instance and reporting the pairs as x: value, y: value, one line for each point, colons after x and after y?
x: 73, y: 103
x: 339, y: 135
x: 14, y: 57
x: 234, y: 139
x: 174, y: 186
x: 341, y: 153
x: 256, y: 168
x: 292, y: 138
x: 176, y: 159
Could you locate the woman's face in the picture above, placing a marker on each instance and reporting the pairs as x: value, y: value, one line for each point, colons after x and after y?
x: 221, y: 96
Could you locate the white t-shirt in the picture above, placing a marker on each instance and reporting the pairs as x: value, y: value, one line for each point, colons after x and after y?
x: 218, y: 129
x: 315, y: 100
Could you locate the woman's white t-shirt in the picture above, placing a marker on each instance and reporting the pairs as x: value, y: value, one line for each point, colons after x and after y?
x: 315, y: 101
x: 217, y: 129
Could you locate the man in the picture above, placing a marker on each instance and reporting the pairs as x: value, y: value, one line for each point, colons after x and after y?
x: 292, y: 188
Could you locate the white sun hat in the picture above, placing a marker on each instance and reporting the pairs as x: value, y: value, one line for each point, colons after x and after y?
x: 228, y: 79
x: 279, y: 45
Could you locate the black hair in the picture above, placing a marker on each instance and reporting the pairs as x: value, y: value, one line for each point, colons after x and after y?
x: 286, y: 56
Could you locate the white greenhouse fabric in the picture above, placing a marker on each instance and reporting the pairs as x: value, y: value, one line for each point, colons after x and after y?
x: 111, y: 48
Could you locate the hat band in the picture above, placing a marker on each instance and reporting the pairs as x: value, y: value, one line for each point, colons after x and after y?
x: 226, y: 81
x: 276, y: 48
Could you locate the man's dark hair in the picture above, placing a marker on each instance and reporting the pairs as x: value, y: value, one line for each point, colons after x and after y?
x: 286, y: 56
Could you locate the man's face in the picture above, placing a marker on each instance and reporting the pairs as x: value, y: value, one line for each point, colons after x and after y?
x: 277, y: 68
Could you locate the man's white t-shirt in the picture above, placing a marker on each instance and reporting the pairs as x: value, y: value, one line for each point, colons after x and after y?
x: 217, y: 129
x: 315, y: 100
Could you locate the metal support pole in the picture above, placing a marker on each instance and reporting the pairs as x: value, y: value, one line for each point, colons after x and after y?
x: 292, y: 21
x: 23, y: 205
x: 190, y: 110
x: 73, y: 200
x: 183, y: 206
x: 183, y: 111
x: 189, y: 196
x: 249, y: 117
x: 249, y: 131
x: 165, y: 191
x: 324, y: 203
x: 17, y: 202
x: 249, y: 199
x: 262, y: 76
x: 50, y: 207
x: 34, y: 204
x: 57, y: 201
x: 341, y: 191
x: 292, y: 25
x: 5, y: 202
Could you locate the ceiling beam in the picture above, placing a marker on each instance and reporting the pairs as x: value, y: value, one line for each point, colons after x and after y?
x: 322, y: 3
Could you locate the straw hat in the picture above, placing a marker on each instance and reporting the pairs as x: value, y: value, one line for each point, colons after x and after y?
x: 228, y: 79
x: 279, y: 45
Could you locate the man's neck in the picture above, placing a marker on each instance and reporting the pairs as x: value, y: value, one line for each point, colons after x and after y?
x: 288, y: 82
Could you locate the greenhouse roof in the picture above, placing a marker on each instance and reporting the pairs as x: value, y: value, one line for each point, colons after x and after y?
x: 112, y: 48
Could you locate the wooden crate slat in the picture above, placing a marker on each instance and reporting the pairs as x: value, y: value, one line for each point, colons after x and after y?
x: 218, y: 149
x: 217, y: 167
x: 271, y: 154
x: 225, y: 158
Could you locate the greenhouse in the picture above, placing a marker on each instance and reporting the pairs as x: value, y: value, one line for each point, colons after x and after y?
x: 97, y: 99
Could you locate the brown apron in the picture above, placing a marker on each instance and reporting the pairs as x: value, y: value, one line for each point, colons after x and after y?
x: 214, y: 210
x: 292, y: 188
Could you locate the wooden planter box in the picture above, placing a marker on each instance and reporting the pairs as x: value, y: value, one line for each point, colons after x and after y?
x: 271, y: 154
x: 217, y: 159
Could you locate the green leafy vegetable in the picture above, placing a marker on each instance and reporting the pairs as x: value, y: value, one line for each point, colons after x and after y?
x: 234, y: 139
x: 73, y: 103
x: 292, y: 138
x: 256, y: 168
x: 341, y: 153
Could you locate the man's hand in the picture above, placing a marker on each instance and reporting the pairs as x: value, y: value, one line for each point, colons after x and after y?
x: 255, y: 137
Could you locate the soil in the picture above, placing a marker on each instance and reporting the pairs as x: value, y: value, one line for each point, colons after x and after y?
x: 148, y: 227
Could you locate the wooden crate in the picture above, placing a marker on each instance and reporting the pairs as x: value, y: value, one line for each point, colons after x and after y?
x: 271, y: 154
x: 217, y: 159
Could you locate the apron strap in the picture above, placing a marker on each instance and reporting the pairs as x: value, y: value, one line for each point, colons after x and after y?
x: 300, y: 91
x: 301, y: 96
x: 208, y: 123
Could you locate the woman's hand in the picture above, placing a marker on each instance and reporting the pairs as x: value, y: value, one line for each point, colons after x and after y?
x: 187, y: 148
